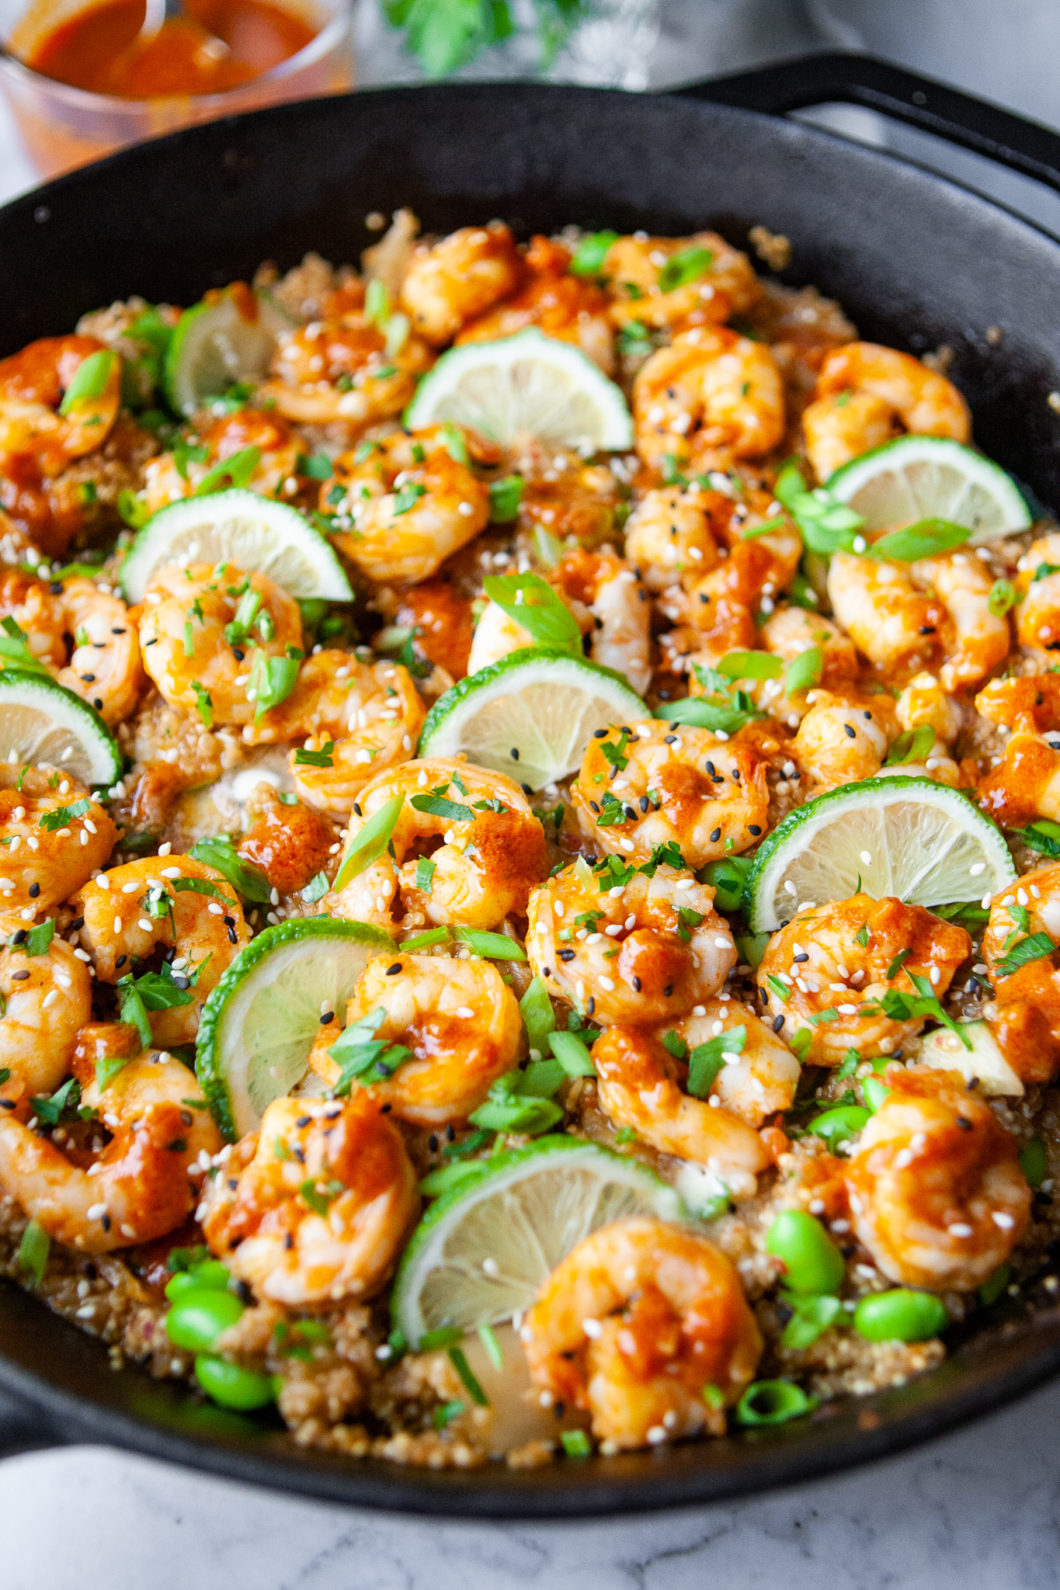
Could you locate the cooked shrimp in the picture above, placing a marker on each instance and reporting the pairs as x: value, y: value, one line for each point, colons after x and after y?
x: 137, y: 1188
x: 409, y: 504
x: 641, y: 1085
x: 1024, y: 1016
x: 450, y: 282
x: 760, y: 1073
x: 484, y: 863
x: 842, y: 737
x: 457, y: 1020
x: 845, y: 957
x: 635, y: 1325
x: 153, y: 904
x: 931, y: 615
x: 35, y: 610
x: 43, y: 863
x: 936, y: 1190
x: 837, y: 428
x: 265, y: 442
x: 723, y: 606
x: 673, y: 949
x: 1038, y: 614
x: 669, y: 535
x: 348, y: 370
x: 790, y: 632
x: 208, y: 634
x: 33, y: 384
x: 1025, y: 782
x: 315, y: 1206
x: 649, y: 784
x: 362, y: 717
x: 46, y: 1000
x: 606, y: 595
x: 713, y: 280
x: 104, y: 665
x: 710, y: 397
x: 881, y: 382
x: 563, y: 306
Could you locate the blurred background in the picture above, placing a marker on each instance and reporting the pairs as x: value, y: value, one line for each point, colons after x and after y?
x: 80, y: 77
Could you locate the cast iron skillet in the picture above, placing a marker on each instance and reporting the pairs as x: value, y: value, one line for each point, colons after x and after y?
x: 918, y: 262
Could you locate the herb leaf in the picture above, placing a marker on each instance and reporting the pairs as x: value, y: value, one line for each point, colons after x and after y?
x: 532, y: 603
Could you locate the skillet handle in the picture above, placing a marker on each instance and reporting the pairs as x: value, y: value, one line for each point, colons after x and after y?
x: 922, y: 102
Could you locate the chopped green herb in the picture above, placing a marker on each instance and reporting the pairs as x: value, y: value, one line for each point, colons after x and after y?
x: 235, y: 470
x: 707, y: 1059
x: 62, y: 816
x: 685, y: 266
x: 89, y: 379
x: 592, y: 250
x: 218, y: 851
x: 532, y: 603
x: 505, y: 497
x: 925, y: 539
x: 804, y: 671
x: 33, y: 1251
x: 750, y: 665
x: 322, y: 758
x: 491, y: 946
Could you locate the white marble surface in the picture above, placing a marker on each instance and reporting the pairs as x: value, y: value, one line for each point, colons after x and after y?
x: 976, y: 1511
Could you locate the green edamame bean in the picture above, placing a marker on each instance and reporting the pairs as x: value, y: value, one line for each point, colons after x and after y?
x: 841, y: 1124
x: 199, y: 1315
x: 210, y: 1274
x: 233, y: 1386
x: 811, y: 1259
x: 901, y: 1315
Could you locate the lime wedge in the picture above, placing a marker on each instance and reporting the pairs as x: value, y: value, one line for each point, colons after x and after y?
x: 932, y: 477
x: 909, y: 837
x: 530, y: 715
x: 526, y: 385
x: 259, y: 1023
x: 41, y: 723
x: 481, y: 1253
x: 216, y: 344
x: 253, y: 532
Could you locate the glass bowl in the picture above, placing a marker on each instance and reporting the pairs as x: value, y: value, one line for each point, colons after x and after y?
x: 62, y: 127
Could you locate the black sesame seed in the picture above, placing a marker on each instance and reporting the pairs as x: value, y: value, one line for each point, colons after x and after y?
x: 644, y: 803
x: 34, y: 890
x: 97, y: 702
x: 238, y: 653
x: 754, y: 828
x: 527, y: 789
x: 591, y: 1006
x: 593, y: 807
x: 105, y: 1222
x: 432, y: 1142
x: 19, y: 977
x: 392, y: 971
x: 778, y: 1022
x: 715, y: 836
x: 56, y: 587
x: 566, y: 955
x: 88, y: 679
x: 671, y: 739
x: 964, y: 1123
x: 798, y: 959
x: 600, y: 734
x: 513, y: 752
x: 7, y: 1104
x: 303, y: 1120
x: 120, y: 962
x: 636, y: 985
x: 668, y: 990
x: 117, y: 630
x: 20, y: 935
x: 327, y: 1017
x: 77, y: 924
x: 850, y: 731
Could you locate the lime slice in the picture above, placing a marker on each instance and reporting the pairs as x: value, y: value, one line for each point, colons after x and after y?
x: 932, y: 477
x: 41, y: 723
x: 982, y: 1063
x: 526, y: 385
x: 215, y: 345
x: 259, y: 1023
x: 238, y: 526
x: 530, y: 715
x: 909, y: 837
x: 481, y: 1253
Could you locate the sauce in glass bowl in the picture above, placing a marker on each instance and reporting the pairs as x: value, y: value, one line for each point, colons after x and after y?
x: 101, y: 48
